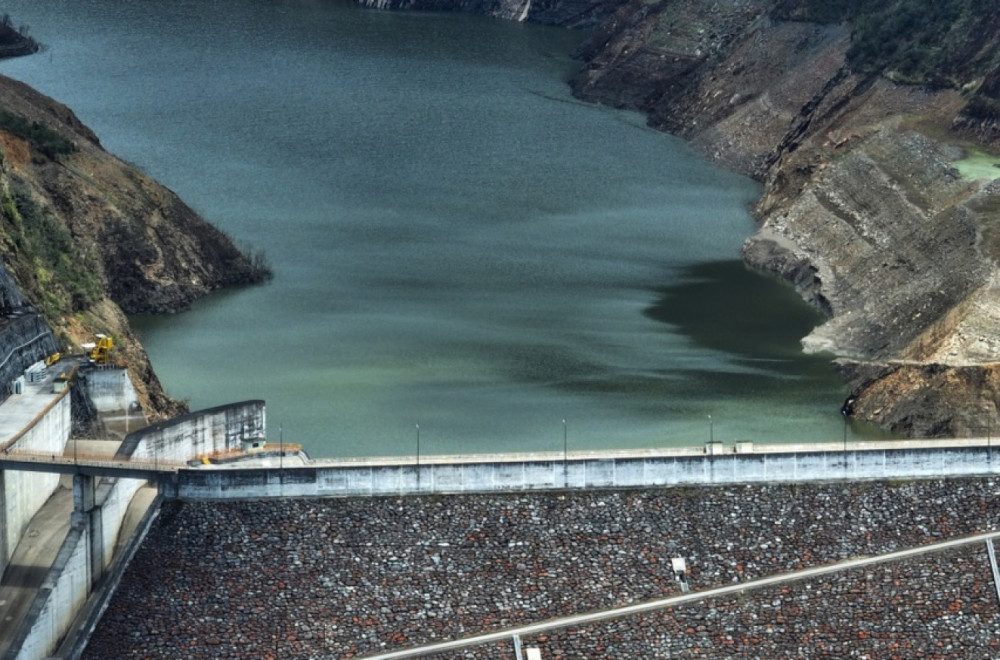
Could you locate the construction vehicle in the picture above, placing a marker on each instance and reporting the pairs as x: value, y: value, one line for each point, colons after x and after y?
x: 99, y: 351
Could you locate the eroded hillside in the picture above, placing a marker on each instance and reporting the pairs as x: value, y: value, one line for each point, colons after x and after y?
x: 88, y: 237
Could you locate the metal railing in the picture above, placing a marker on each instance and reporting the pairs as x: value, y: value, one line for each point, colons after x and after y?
x: 89, y: 460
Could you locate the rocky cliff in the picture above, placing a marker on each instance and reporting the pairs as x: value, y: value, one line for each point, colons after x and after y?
x: 853, y: 115
x: 863, y: 209
x: 88, y: 238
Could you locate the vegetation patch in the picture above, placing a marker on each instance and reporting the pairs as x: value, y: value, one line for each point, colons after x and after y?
x: 43, y: 138
x: 15, y: 42
x: 55, y: 274
x: 938, y: 43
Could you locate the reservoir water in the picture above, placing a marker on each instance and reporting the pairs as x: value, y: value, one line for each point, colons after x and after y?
x: 457, y: 243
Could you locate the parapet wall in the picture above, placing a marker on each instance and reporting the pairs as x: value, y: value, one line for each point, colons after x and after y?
x: 465, y: 474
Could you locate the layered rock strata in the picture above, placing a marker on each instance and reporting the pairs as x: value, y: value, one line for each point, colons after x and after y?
x: 863, y: 210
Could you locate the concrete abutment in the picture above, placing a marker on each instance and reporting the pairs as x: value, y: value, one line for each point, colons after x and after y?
x: 75, y: 584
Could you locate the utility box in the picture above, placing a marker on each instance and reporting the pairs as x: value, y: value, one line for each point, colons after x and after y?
x: 679, y: 566
x: 714, y: 447
x: 744, y: 446
x: 251, y: 445
x: 533, y: 653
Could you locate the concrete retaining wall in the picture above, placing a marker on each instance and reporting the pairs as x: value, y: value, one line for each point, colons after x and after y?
x: 110, y: 389
x: 114, y: 499
x: 24, y: 340
x: 203, y: 432
x: 319, y: 480
x: 60, y: 599
x: 82, y: 560
x: 24, y: 493
x: 76, y: 640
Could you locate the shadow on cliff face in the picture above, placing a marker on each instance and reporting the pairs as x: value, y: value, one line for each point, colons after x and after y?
x: 759, y: 321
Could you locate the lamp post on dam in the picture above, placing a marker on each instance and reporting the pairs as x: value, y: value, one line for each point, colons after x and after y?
x: 565, y: 455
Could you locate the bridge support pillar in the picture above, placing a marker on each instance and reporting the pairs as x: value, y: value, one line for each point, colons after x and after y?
x: 89, y: 516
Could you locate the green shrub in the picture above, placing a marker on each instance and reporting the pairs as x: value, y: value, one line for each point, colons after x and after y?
x: 939, y: 43
x: 40, y: 136
x: 60, y: 278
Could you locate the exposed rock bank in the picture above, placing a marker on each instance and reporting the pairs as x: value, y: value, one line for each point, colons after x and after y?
x: 862, y: 210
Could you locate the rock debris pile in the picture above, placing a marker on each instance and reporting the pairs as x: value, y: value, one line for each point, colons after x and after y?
x: 342, y: 578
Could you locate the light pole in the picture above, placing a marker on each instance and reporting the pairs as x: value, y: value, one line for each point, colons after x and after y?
x: 418, y: 457
x: 711, y: 429
x: 281, y: 455
x: 989, y: 433
x: 565, y: 456
x: 843, y: 412
x: 844, y: 415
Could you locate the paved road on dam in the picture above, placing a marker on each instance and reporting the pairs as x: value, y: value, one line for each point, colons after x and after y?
x: 649, y: 606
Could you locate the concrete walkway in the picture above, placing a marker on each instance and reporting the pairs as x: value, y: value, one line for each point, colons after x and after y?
x: 719, y: 592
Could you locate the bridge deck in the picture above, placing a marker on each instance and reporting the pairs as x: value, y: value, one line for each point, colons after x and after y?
x: 94, y: 466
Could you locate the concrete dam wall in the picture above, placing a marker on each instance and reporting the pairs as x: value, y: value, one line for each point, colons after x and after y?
x: 466, y: 474
x: 220, y: 429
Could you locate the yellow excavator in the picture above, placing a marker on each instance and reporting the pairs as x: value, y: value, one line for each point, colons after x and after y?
x: 100, y: 351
